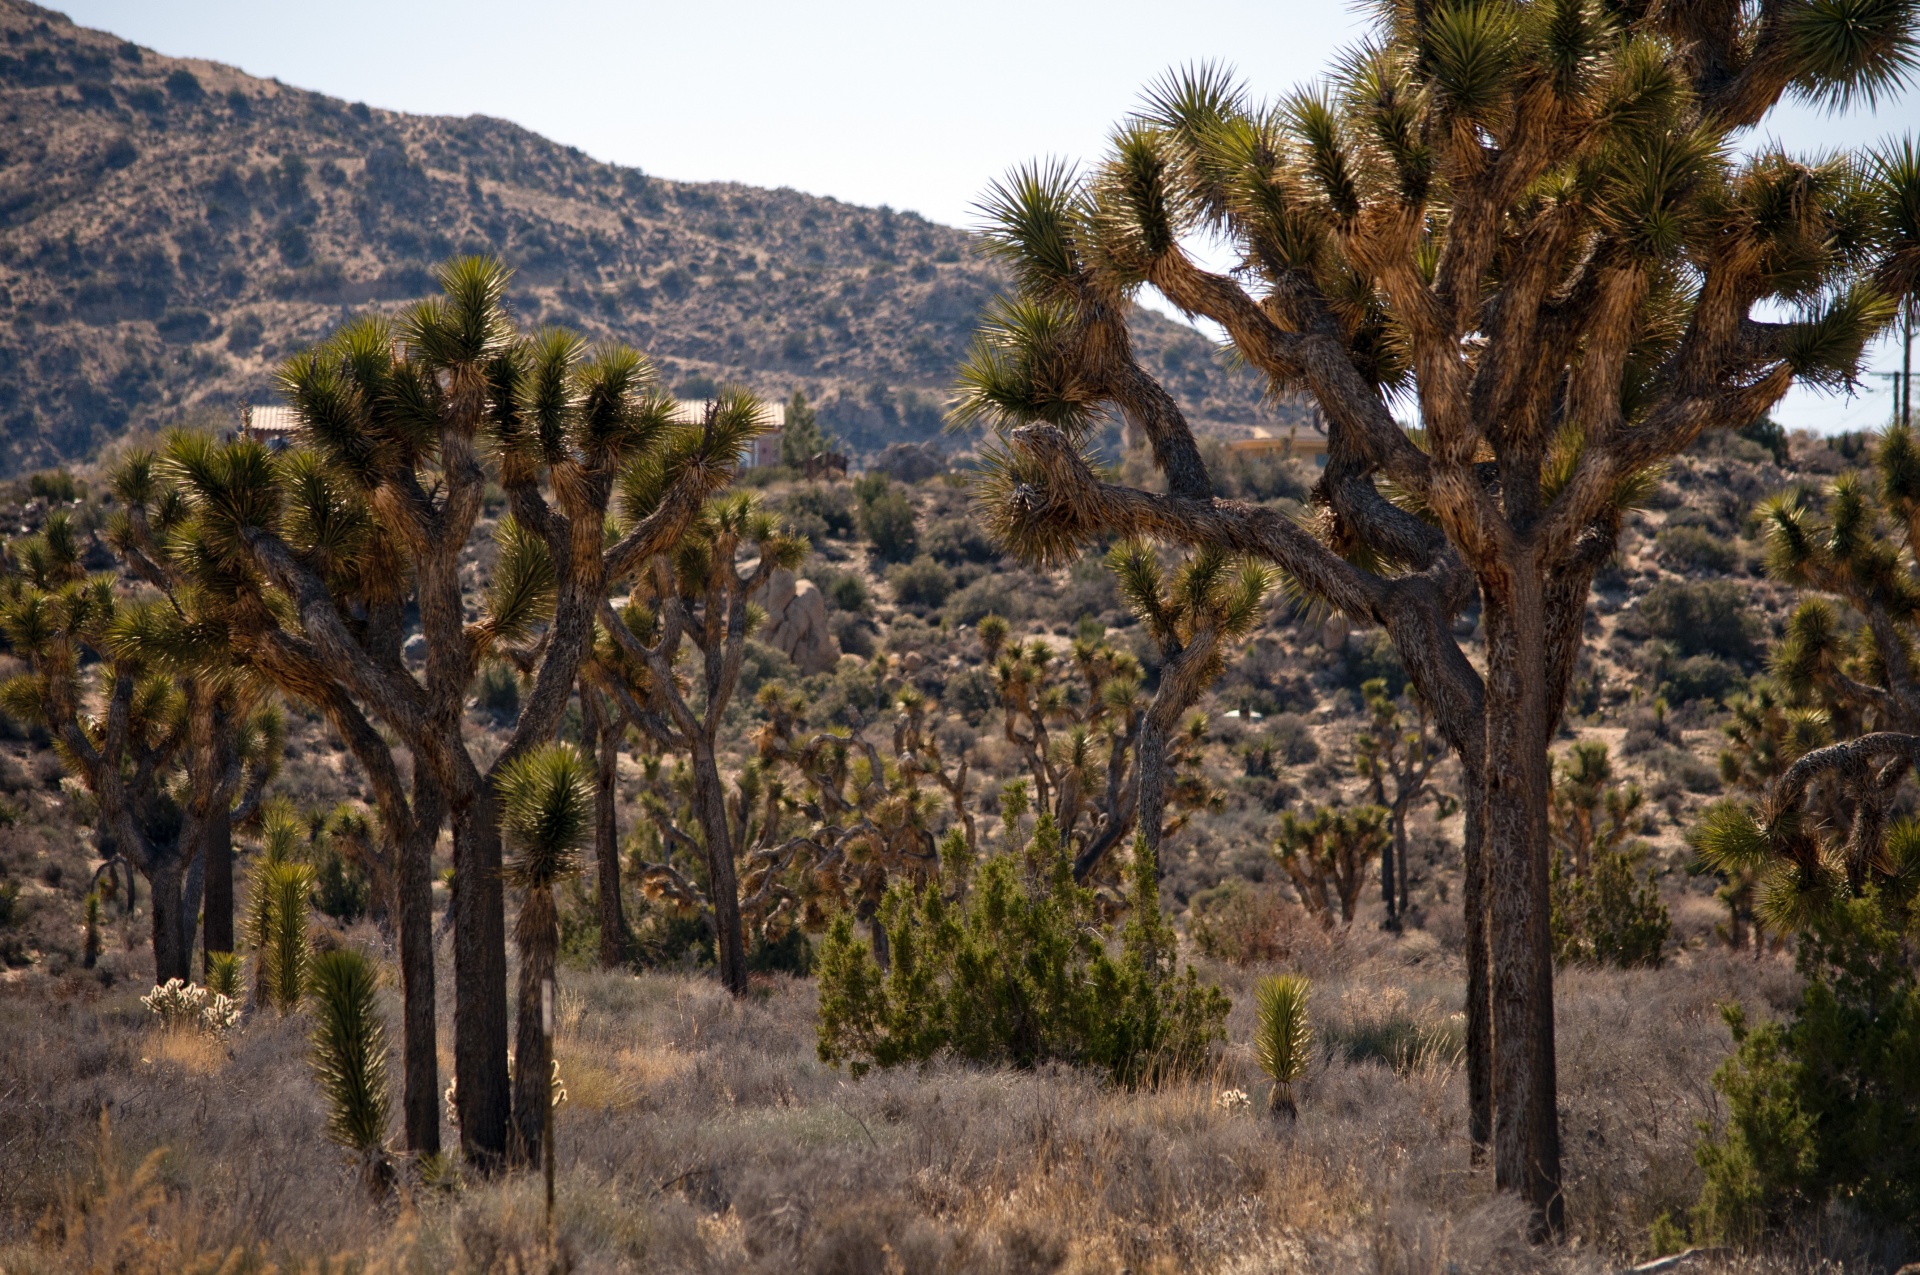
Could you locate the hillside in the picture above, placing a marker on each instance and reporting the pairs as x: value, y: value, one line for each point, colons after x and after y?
x: 170, y: 228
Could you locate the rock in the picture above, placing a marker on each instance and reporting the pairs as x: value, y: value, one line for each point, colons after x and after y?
x: 797, y: 623
x: 1692, y: 1259
x: 415, y: 649
x: 911, y: 462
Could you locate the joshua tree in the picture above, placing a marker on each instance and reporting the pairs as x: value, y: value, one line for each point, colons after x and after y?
x: 1325, y: 856
x: 1860, y: 549
x: 546, y: 804
x: 350, y: 1061
x: 324, y: 552
x: 1211, y: 601
x: 698, y: 594
x: 1401, y: 747
x: 1590, y: 813
x: 1282, y: 1037
x: 1528, y: 219
x: 172, y: 742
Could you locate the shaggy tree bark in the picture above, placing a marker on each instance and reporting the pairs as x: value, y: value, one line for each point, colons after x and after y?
x: 604, y: 733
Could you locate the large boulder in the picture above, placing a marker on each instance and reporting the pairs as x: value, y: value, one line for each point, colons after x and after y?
x: 797, y: 622
x: 911, y: 462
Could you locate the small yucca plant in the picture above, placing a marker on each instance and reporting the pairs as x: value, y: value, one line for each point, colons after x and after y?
x: 1282, y: 1037
x: 546, y: 818
x: 350, y: 1060
x: 223, y: 974
x: 283, y: 954
x: 90, y: 953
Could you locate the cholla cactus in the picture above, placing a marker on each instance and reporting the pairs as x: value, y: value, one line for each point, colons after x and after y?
x: 220, y: 1014
x: 176, y: 1002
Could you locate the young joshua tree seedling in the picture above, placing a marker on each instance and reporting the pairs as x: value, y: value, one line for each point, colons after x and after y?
x: 546, y: 820
x: 1282, y: 1037
x: 350, y: 1061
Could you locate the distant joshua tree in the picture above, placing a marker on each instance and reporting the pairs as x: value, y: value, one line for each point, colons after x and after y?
x: 1537, y: 222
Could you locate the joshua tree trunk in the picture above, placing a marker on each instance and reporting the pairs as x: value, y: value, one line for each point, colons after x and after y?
x: 605, y: 735
x: 536, y: 934
x: 723, y: 888
x: 164, y: 897
x: 1526, y: 1135
x: 480, y: 978
x: 420, y: 1060
x: 1478, y: 1008
x: 218, y: 908
x: 1386, y: 879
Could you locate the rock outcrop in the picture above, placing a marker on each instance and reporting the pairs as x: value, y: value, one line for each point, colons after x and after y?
x: 797, y: 623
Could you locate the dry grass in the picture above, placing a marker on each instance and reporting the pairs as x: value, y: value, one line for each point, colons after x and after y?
x: 701, y: 1135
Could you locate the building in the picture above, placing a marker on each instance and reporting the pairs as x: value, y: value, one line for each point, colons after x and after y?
x: 271, y: 423
x: 1307, y: 444
x: 762, y: 451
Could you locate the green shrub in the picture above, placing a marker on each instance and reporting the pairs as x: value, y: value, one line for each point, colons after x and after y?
x: 340, y: 889
x: 847, y: 593
x: 1827, y: 1104
x: 921, y: 583
x: 1699, y: 677
x: 1711, y: 618
x: 55, y: 485
x: 1008, y: 965
x: 1694, y: 549
x: 498, y: 693
x: 1609, y: 915
x: 817, y: 510
x: 886, y: 519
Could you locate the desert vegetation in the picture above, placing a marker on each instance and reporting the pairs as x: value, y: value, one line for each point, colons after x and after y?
x: 1493, y: 849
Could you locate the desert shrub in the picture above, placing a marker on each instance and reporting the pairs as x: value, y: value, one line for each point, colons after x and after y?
x: 846, y: 592
x: 1609, y: 915
x: 1825, y: 1105
x: 497, y: 694
x: 958, y: 540
x: 1684, y: 770
x: 854, y: 633
x: 1014, y: 969
x: 989, y: 595
x: 1244, y: 924
x: 1710, y: 618
x: 1387, y: 1030
x: 1771, y: 435
x: 1370, y: 655
x: 971, y: 694
x: 55, y: 485
x: 1694, y: 549
x: 1292, y: 735
x: 921, y: 583
x: 760, y: 664
x: 818, y: 511
x: 1694, y: 677
x: 886, y: 518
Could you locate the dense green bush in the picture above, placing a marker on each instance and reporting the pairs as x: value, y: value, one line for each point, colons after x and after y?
x: 1694, y: 677
x: 1007, y: 964
x: 819, y: 511
x: 1825, y: 1105
x: 846, y: 592
x: 1609, y: 915
x: 886, y: 519
x: 1711, y: 618
x: 1695, y: 549
x: 921, y: 583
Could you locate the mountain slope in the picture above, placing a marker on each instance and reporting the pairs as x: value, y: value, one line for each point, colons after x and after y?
x: 170, y: 229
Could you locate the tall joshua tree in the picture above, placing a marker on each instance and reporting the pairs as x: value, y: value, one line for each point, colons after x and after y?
x: 696, y: 596
x: 547, y: 805
x: 170, y: 736
x: 325, y: 550
x: 1527, y: 219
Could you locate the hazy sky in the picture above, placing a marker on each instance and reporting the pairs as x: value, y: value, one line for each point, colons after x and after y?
x: 915, y: 105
